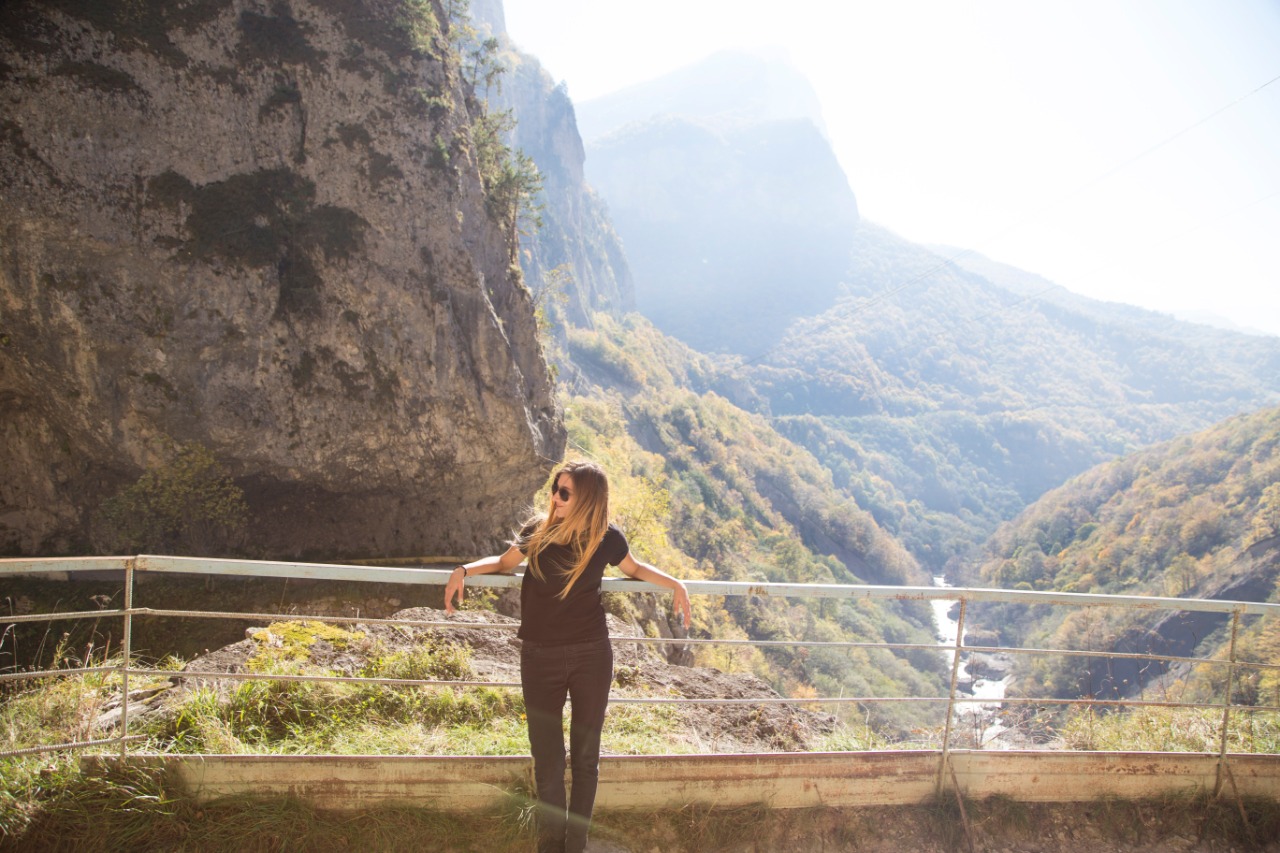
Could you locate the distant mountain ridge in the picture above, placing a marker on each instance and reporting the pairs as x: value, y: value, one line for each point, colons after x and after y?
x: 725, y: 191
x: 946, y: 403
x: 726, y: 89
x: 1036, y: 286
x: 1218, y: 321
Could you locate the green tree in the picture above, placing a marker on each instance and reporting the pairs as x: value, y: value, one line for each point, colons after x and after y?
x: 549, y: 299
x: 189, y: 506
x: 511, y: 179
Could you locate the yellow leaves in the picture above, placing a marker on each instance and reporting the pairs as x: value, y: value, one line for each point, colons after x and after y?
x: 638, y: 496
x: 803, y: 691
x: 1265, y: 522
x: 292, y: 641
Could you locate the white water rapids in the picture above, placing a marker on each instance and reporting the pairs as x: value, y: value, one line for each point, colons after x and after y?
x: 984, y: 716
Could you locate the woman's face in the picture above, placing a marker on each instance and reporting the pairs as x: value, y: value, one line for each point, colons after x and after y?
x: 562, y: 495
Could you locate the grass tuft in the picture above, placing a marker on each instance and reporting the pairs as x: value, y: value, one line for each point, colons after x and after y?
x: 48, y: 802
x: 1153, y: 729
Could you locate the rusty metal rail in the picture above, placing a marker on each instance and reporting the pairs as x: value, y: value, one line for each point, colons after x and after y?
x: 132, y: 568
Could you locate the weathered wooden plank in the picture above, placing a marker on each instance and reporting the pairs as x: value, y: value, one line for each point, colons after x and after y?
x: 783, y: 780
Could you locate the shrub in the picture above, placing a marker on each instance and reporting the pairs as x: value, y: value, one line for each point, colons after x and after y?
x: 189, y: 506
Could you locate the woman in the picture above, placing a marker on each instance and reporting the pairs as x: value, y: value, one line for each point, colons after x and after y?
x: 565, y: 649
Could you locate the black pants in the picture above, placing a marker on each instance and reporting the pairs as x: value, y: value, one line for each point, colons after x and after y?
x: 548, y: 674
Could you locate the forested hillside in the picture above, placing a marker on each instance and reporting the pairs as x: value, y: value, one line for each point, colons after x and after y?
x: 945, y: 391
x: 945, y: 403
x: 1198, y: 516
x: 712, y: 491
x: 881, y: 438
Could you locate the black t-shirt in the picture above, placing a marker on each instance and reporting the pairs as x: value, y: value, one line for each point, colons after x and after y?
x: 579, y: 617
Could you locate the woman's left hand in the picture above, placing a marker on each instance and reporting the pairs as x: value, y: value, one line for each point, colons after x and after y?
x: 455, y: 587
x: 633, y: 568
x: 680, y: 603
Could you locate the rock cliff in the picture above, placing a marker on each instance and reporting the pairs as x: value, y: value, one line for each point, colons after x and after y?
x: 576, y: 234
x: 259, y: 226
x: 736, y: 216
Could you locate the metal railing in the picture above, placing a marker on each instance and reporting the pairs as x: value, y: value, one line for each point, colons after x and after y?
x: 135, y: 567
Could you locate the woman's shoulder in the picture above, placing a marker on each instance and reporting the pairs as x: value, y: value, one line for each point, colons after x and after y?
x: 614, y: 545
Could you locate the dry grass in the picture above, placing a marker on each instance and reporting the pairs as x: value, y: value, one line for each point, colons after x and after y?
x: 47, y: 802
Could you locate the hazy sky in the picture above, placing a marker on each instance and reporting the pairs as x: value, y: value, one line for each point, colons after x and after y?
x: 1126, y: 149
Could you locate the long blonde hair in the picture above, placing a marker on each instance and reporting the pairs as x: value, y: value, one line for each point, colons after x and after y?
x: 582, y: 530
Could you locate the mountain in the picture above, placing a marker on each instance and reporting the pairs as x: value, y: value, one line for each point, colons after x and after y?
x: 943, y: 391
x: 734, y: 212
x: 1038, y: 287
x: 1198, y: 516
x: 930, y: 394
x: 576, y: 238
x: 269, y: 231
x: 947, y: 402
x: 730, y: 88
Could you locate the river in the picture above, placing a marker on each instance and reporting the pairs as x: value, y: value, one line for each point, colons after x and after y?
x: 983, y: 717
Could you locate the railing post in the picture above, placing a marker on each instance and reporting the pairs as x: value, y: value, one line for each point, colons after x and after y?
x: 951, y: 696
x: 1226, y: 701
x: 127, y: 646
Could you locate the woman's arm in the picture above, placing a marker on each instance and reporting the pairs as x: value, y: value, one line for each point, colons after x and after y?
x: 505, y: 563
x: 633, y: 568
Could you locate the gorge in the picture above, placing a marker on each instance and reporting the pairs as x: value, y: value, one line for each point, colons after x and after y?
x: 271, y: 229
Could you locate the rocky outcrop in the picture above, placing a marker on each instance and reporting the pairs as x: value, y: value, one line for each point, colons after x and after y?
x: 492, y: 653
x: 576, y: 235
x: 574, y: 258
x: 259, y: 226
x: 1253, y: 576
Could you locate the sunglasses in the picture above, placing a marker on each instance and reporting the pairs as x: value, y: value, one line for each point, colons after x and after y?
x: 561, y: 492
